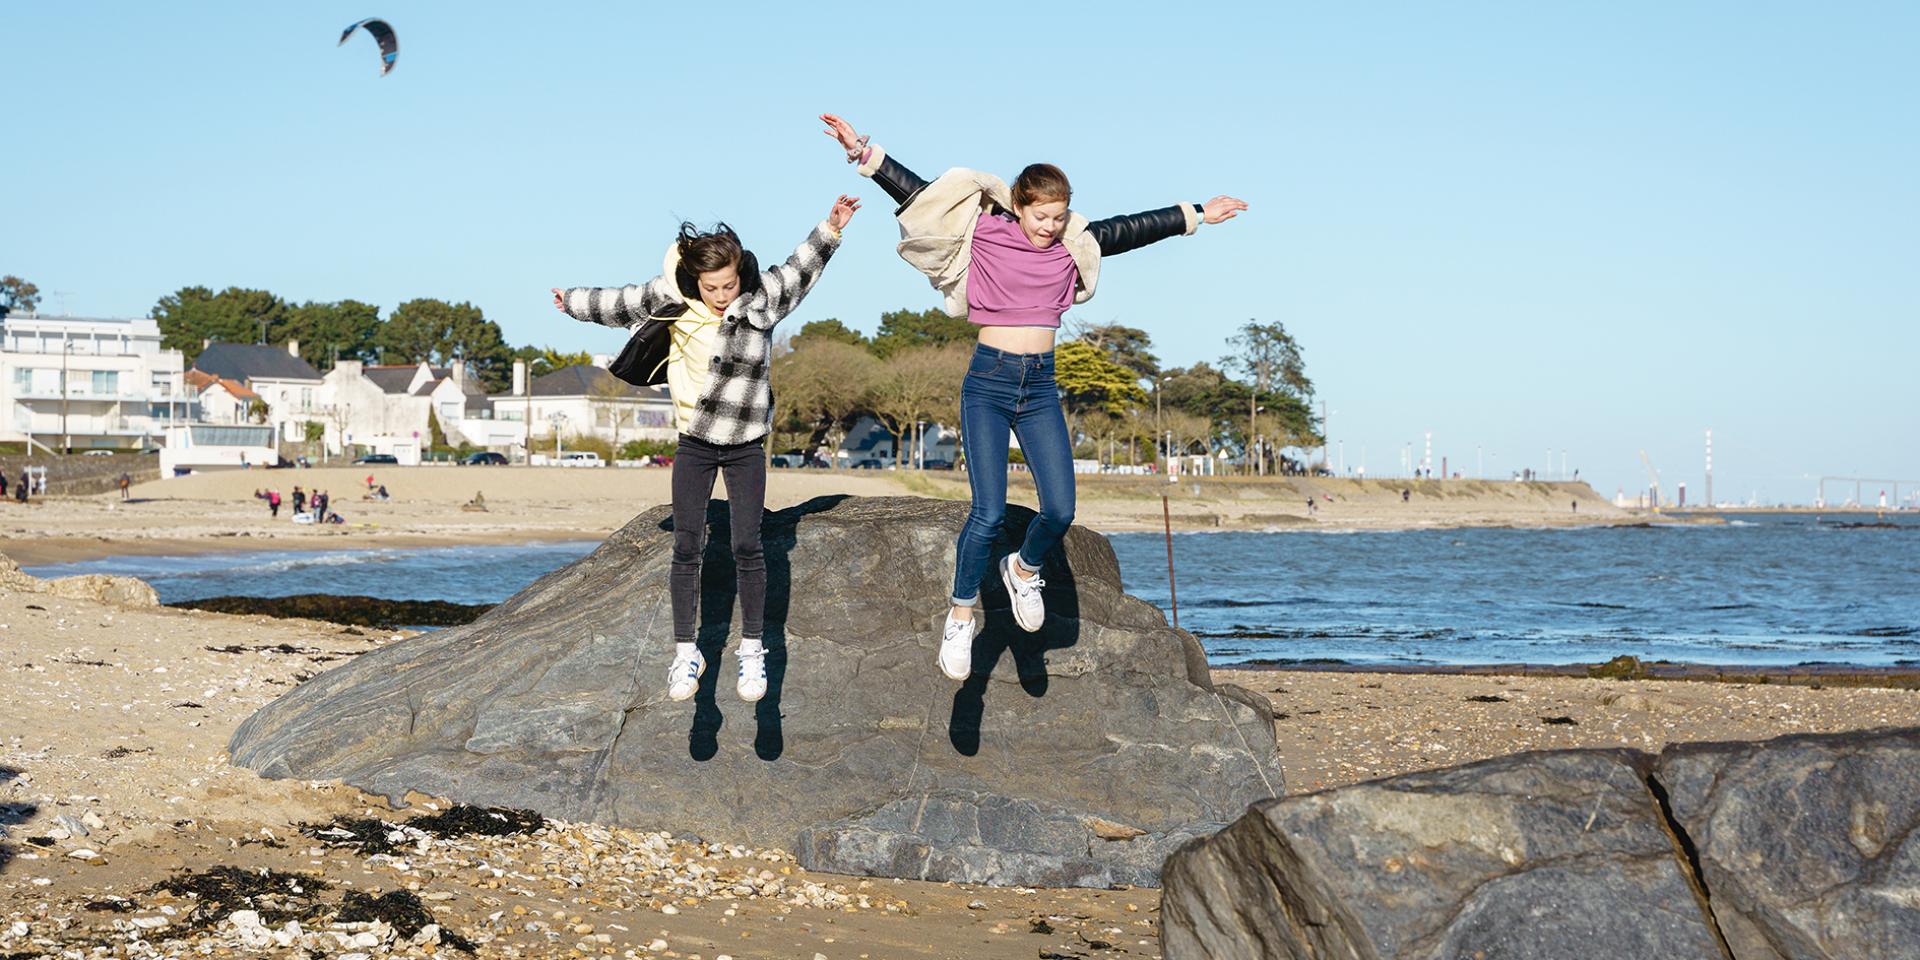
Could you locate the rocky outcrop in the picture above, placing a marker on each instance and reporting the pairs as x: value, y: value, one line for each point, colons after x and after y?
x: 1802, y: 847
x: 124, y: 591
x: 1078, y: 754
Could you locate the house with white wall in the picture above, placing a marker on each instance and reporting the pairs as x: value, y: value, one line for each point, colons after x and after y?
x: 287, y: 384
x: 565, y: 403
x: 221, y: 400
x: 84, y: 382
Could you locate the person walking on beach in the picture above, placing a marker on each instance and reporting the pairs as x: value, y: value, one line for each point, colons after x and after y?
x: 299, y: 499
x: 20, y: 489
x: 1011, y: 260
x: 273, y: 503
x: 718, y: 310
x: 126, y: 486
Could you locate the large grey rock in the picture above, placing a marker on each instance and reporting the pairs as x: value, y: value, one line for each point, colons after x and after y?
x: 1801, y: 847
x: 556, y: 701
x: 1807, y: 844
x: 1545, y: 855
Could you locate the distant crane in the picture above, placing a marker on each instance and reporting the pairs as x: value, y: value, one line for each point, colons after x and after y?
x: 1653, y: 481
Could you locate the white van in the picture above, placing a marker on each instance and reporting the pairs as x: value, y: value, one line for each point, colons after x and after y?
x: 581, y: 458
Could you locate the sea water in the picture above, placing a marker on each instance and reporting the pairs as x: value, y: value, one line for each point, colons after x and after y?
x: 1758, y: 590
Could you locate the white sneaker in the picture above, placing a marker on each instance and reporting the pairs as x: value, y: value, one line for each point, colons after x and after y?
x: 753, y: 674
x: 1029, y: 610
x: 683, y: 676
x: 956, y: 646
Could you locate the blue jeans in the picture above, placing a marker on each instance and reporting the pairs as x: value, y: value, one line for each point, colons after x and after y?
x: 1011, y: 393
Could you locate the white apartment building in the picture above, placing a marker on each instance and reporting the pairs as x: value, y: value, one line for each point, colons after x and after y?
x: 83, y: 382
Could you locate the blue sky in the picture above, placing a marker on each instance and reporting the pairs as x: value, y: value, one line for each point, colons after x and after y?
x: 1597, y: 228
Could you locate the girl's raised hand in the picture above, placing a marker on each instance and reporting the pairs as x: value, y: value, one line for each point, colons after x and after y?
x: 559, y: 299
x: 843, y: 131
x: 843, y: 209
x: 1222, y: 208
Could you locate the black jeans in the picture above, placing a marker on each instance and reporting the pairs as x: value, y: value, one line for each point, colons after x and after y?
x: 695, y: 464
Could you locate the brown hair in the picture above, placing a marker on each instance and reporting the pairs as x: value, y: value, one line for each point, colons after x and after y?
x: 703, y: 252
x: 1041, y: 183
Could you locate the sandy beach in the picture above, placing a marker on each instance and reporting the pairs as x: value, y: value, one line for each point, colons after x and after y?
x: 217, y: 511
x: 117, y: 718
x: 114, y: 778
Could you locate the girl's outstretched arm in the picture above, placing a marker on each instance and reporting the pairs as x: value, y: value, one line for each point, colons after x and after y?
x: 892, y: 176
x: 626, y: 306
x: 783, y: 286
x: 1132, y: 231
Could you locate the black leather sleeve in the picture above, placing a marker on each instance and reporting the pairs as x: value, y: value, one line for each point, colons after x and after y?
x: 899, y: 182
x: 1135, y: 230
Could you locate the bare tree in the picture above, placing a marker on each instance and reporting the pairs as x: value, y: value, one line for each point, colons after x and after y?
x: 918, y: 383
x: 824, y: 384
x: 609, y: 394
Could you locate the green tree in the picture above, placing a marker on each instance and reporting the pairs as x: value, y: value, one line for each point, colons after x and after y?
x: 544, y: 360
x: 817, y: 331
x: 440, y: 332
x: 1091, y: 382
x: 1126, y: 346
x: 340, y: 330
x: 901, y: 329
x: 436, y: 437
x: 1269, y: 356
x: 313, y: 432
x: 17, y: 294
x: 191, y: 315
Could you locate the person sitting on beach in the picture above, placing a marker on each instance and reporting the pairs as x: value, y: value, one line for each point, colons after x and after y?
x: 719, y: 312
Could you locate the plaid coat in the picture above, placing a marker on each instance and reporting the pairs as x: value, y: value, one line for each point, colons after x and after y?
x: 736, y: 405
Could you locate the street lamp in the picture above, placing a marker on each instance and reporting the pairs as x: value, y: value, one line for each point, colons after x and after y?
x: 558, y: 419
x: 1159, y: 421
x: 66, y: 350
x: 1254, y: 467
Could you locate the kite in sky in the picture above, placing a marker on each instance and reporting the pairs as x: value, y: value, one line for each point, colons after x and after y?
x: 382, y: 34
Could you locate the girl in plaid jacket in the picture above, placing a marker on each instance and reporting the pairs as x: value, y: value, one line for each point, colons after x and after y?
x: 720, y: 320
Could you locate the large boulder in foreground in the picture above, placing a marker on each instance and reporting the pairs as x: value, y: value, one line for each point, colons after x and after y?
x: 1081, y: 754
x: 1808, y: 844
x: 1801, y: 847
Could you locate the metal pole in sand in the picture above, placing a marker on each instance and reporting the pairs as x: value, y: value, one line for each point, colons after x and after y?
x: 1166, y: 515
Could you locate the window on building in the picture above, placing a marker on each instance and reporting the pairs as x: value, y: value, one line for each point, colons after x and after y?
x: 106, y: 383
x: 23, y: 379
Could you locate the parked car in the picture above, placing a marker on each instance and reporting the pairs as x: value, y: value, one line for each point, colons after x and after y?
x: 377, y: 458
x: 936, y: 465
x: 485, y: 458
x: 581, y: 458
x: 99, y: 453
x: 868, y: 463
x: 787, y: 460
